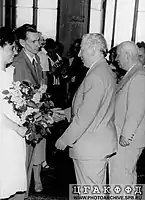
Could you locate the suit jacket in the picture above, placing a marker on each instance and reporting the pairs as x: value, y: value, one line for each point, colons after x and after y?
x: 92, y: 133
x: 24, y: 69
x: 130, y: 107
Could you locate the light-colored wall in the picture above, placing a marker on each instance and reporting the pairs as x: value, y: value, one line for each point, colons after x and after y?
x: 46, y: 15
x: 124, y: 20
x: 47, y: 18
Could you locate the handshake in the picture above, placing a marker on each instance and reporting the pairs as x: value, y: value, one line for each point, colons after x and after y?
x: 56, y: 114
x: 59, y: 114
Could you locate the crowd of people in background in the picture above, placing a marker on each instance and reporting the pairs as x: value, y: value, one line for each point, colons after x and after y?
x: 102, y: 95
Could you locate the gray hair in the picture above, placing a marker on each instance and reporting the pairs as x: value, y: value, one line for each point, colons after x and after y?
x: 95, y: 41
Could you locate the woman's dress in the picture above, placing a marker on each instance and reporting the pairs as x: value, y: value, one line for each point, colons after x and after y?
x: 12, y: 146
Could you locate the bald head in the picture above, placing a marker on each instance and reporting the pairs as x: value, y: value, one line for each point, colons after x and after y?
x: 127, y: 54
x: 128, y: 47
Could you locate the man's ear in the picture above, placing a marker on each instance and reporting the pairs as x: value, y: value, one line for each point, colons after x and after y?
x: 127, y: 56
x: 22, y: 42
x: 92, y: 51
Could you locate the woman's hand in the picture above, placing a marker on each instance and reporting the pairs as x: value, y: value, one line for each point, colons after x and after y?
x: 21, y: 131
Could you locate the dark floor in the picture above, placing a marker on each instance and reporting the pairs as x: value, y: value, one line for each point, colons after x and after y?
x: 141, y: 168
x: 56, y: 181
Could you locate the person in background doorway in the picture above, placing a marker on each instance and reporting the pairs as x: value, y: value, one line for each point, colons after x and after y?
x: 141, y: 46
x: 77, y: 70
x: 56, y: 77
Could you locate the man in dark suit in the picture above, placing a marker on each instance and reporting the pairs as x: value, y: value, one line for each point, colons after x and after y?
x: 27, y: 67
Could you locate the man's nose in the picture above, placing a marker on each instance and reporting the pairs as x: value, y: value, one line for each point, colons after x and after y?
x: 15, y: 51
x: 38, y: 44
x: 116, y: 58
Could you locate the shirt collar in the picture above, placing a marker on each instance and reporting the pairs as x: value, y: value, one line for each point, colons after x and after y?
x: 42, y: 49
x: 92, y: 65
x: 131, y: 68
x: 30, y: 58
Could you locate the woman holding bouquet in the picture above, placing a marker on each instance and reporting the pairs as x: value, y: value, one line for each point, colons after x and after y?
x: 13, y: 182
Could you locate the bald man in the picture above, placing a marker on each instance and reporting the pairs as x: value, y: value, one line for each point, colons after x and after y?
x: 129, y: 116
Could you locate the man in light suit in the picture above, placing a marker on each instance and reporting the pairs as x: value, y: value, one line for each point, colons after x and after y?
x: 129, y: 116
x: 28, y: 38
x: 91, y: 134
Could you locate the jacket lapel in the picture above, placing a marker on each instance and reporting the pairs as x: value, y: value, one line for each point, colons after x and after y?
x: 81, y: 88
x: 95, y: 65
x: 39, y: 69
x: 35, y: 76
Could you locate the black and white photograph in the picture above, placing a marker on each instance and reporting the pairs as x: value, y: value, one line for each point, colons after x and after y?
x: 72, y: 99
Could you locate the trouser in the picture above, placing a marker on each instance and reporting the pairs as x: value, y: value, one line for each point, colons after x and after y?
x: 122, y: 169
x: 123, y: 166
x: 90, y: 171
x: 34, y: 156
x: 143, y: 190
x: 39, y: 154
x: 29, y: 164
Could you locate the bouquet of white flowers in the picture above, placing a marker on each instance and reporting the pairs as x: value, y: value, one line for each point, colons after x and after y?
x: 33, y: 107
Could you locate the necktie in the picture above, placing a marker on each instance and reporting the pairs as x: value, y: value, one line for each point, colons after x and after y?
x: 35, y: 67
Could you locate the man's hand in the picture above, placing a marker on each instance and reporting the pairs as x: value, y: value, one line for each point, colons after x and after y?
x: 60, y: 144
x: 58, y: 114
x: 67, y: 112
x: 123, y: 141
